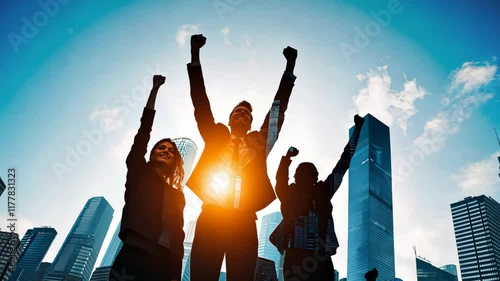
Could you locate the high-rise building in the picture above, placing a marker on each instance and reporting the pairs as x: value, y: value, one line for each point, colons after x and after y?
x: 450, y: 268
x: 187, y: 149
x: 2, y: 186
x: 42, y: 271
x: 222, y: 276
x: 266, y: 249
x: 476, y: 221
x: 335, y: 275
x: 272, y: 128
x: 10, y: 250
x: 188, y: 244
x: 370, y: 218
x: 78, y: 254
x: 35, y: 244
x: 265, y: 270
x: 113, y: 248
x: 101, y: 274
x: 427, y: 272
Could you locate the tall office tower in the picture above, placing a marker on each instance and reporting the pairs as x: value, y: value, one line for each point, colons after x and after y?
x: 42, y: 271
x: 427, y: 272
x: 266, y: 249
x: 450, y: 268
x: 10, y: 250
x: 222, y: 276
x: 35, y: 244
x: 2, y: 186
x: 188, y: 244
x: 187, y: 149
x: 272, y: 128
x: 265, y: 270
x: 335, y: 275
x: 476, y: 221
x: 78, y: 254
x: 102, y: 274
x: 370, y: 221
x: 113, y: 248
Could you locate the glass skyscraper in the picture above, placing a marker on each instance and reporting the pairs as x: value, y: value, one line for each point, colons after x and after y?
x: 266, y: 249
x: 427, y: 272
x: 370, y: 219
x: 188, y: 244
x: 35, y: 244
x: 79, y: 252
x: 187, y: 149
x: 476, y: 221
x: 113, y: 248
x: 10, y: 250
x: 3, y: 186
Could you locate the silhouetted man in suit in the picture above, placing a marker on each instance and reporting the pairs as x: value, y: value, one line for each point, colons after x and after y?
x: 231, y: 178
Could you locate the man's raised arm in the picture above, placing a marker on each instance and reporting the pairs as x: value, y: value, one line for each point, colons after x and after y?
x: 283, y: 93
x: 202, y: 111
x: 335, y: 178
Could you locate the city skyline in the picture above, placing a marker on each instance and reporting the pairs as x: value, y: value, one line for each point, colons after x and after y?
x: 77, y: 77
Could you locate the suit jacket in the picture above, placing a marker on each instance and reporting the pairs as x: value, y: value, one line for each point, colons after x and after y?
x: 256, y: 188
x: 146, y: 194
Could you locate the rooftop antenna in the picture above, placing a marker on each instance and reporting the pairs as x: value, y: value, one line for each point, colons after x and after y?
x: 415, y: 250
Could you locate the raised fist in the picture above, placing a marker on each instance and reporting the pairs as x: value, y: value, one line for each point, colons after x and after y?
x: 358, y: 120
x: 290, y: 53
x: 292, y: 151
x: 158, y: 80
x: 371, y: 275
x: 198, y: 41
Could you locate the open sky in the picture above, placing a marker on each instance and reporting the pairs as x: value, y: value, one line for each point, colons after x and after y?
x: 76, y: 75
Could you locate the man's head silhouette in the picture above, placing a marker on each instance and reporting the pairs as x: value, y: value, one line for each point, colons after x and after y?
x: 306, y: 175
x: 240, y: 119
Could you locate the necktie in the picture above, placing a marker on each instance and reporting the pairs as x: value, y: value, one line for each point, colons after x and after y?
x: 236, y: 155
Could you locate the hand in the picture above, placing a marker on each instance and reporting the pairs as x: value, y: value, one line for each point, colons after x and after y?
x: 290, y: 53
x: 197, y: 41
x: 358, y: 120
x: 158, y: 80
x: 292, y: 151
x: 371, y: 275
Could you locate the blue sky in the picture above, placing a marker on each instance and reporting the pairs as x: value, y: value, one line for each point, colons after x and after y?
x: 74, y: 72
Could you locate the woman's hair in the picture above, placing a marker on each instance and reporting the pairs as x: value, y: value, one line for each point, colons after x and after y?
x: 177, y: 174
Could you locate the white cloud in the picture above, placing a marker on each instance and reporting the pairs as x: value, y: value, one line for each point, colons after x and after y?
x: 389, y: 106
x: 110, y: 118
x: 465, y: 95
x: 121, y: 150
x: 479, y: 177
x: 184, y: 32
x: 470, y: 77
x: 225, y: 34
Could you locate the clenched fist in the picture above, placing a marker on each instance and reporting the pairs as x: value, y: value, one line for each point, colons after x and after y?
x: 197, y: 41
x: 158, y: 80
x: 290, y: 53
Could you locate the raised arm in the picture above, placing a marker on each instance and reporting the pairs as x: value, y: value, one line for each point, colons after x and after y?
x: 135, y: 157
x: 283, y: 93
x: 202, y: 111
x: 335, y: 178
x: 282, y: 174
